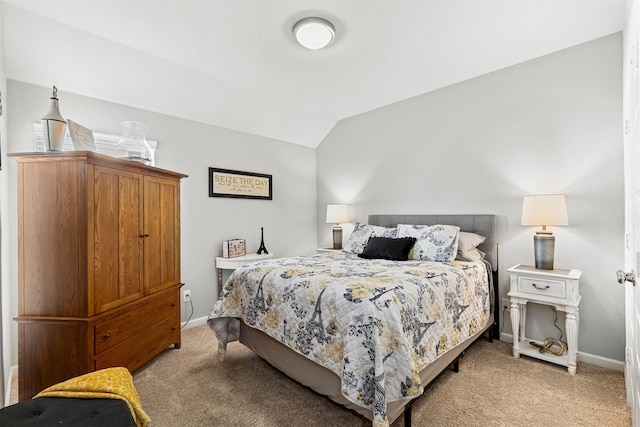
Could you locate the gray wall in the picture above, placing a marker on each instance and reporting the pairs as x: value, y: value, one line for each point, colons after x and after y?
x: 550, y: 125
x: 544, y: 126
x: 289, y: 219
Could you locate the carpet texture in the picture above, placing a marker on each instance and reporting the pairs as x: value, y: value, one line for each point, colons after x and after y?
x: 191, y: 387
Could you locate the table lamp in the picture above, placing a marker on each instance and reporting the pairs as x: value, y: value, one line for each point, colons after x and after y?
x: 337, y: 214
x: 548, y: 209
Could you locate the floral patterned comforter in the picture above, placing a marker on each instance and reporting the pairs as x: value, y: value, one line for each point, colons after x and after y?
x: 375, y: 323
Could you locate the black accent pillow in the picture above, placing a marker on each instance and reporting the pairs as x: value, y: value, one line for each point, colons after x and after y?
x: 388, y: 248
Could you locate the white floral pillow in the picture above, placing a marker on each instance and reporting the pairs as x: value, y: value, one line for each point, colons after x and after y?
x: 362, y: 232
x: 434, y: 242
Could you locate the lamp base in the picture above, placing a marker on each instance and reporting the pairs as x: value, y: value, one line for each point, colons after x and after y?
x: 543, y: 247
x: 337, y: 237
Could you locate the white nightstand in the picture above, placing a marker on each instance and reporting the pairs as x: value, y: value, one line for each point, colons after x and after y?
x: 559, y: 288
x: 328, y: 250
x: 233, y: 263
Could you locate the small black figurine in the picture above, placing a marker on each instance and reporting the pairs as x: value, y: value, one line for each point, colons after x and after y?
x: 262, y: 248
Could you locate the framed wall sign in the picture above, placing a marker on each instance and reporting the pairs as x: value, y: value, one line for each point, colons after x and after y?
x: 238, y: 184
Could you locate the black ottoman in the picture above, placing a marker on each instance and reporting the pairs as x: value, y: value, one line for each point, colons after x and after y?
x: 67, y: 412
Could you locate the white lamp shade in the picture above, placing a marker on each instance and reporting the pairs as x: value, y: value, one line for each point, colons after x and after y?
x: 337, y: 214
x: 548, y: 209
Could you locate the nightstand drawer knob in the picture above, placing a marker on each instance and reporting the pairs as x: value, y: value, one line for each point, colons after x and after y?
x: 541, y: 288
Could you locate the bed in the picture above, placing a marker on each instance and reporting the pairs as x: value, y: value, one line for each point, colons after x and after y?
x: 353, y: 329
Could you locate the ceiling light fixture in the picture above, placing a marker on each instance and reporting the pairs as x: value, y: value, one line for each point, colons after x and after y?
x: 314, y: 33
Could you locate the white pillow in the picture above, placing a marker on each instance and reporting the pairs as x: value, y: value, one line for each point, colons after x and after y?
x: 467, y: 246
x: 433, y: 242
x: 362, y: 232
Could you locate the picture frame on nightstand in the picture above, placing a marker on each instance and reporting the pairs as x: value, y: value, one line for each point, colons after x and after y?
x: 234, y: 248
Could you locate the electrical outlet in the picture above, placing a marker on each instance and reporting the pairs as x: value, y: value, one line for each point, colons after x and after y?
x: 506, y: 304
x: 186, y: 295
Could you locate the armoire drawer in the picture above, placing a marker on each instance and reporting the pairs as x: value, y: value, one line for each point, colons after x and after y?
x: 114, y: 332
x: 139, y: 349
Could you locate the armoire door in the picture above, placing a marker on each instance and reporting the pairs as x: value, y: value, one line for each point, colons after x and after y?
x: 117, y: 237
x: 162, y: 233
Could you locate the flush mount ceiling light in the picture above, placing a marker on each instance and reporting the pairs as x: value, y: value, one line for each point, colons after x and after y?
x: 314, y: 33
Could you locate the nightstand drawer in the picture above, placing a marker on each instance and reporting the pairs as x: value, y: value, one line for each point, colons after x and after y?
x: 537, y: 286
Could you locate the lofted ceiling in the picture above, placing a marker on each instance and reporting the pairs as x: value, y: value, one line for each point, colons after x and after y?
x: 234, y: 63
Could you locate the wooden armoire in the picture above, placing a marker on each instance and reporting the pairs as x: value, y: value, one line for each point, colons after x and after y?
x: 98, y: 265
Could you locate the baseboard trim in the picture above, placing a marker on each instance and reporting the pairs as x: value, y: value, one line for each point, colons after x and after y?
x: 13, y: 372
x: 603, y: 362
x: 194, y: 322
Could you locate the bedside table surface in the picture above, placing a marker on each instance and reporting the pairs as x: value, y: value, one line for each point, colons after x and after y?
x: 223, y: 263
x: 235, y: 262
x: 564, y: 273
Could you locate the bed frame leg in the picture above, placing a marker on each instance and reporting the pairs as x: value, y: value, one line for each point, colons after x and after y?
x: 407, y: 415
x: 494, y: 332
x: 455, y: 366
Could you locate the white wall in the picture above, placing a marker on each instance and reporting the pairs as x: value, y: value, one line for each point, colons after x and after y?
x: 289, y: 220
x: 5, y: 306
x: 550, y: 125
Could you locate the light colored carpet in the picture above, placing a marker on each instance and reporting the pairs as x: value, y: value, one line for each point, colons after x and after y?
x: 191, y: 387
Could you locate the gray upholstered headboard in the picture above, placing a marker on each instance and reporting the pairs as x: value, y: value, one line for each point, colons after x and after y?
x: 484, y: 225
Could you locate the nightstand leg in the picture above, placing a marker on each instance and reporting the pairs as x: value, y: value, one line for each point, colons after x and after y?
x: 571, y: 325
x: 515, y: 326
x: 219, y: 281
x: 523, y: 321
